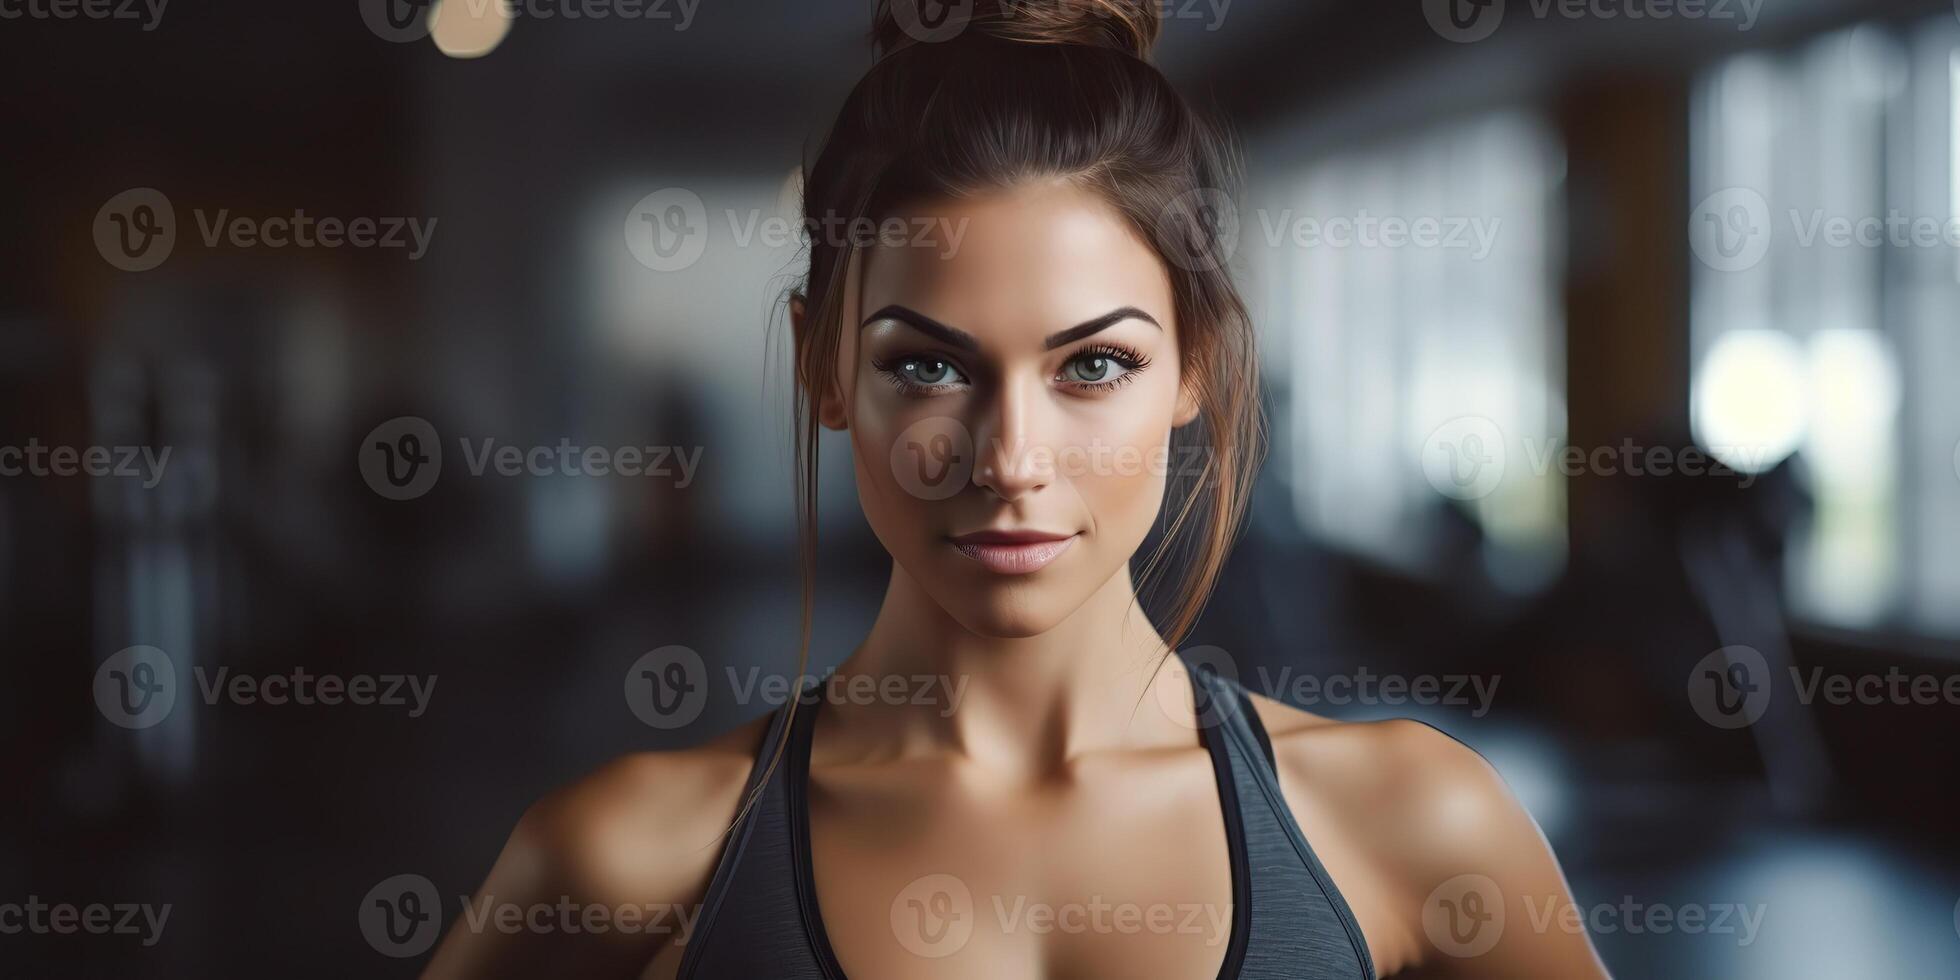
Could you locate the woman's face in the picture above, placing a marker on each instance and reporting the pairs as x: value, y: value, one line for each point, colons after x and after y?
x: 1009, y: 374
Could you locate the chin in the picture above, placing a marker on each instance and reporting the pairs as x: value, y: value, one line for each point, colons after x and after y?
x: 1006, y: 624
x: 1006, y: 611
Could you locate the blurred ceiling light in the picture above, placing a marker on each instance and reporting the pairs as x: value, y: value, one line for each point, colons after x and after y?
x: 1748, y: 399
x: 468, y: 28
x: 1855, y: 396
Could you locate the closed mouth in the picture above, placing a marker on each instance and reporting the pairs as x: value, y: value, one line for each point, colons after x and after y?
x: 1013, y: 552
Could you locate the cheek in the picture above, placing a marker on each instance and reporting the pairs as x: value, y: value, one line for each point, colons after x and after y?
x: 1118, y: 458
x: 908, y: 455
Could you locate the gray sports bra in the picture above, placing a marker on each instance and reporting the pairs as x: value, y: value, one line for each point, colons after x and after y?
x: 760, y: 916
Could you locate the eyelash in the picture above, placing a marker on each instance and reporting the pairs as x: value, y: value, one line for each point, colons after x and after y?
x: 1131, y: 361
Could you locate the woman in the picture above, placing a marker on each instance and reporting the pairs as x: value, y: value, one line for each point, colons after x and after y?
x: 1089, y: 807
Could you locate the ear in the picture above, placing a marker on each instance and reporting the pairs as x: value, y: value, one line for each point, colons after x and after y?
x: 1187, y: 406
x: 830, y: 407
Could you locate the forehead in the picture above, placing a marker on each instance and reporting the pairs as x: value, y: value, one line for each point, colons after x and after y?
x: 1018, y: 263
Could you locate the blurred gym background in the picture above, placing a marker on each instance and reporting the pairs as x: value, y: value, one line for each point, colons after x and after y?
x: 1504, y: 257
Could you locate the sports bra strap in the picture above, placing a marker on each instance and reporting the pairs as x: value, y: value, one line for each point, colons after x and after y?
x: 1250, y: 713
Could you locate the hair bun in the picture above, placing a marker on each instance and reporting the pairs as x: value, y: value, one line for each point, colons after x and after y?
x: 1129, y: 26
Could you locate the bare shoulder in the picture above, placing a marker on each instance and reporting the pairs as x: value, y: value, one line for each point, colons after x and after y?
x: 642, y: 831
x: 1401, y: 812
x: 1391, y: 766
x: 643, y: 822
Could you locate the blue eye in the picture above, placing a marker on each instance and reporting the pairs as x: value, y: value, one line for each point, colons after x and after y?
x: 1094, y: 369
x: 929, y: 371
x: 919, y: 374
x: 1102, y: 368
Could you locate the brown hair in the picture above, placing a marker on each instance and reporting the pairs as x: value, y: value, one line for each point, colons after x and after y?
x: 1007, y: 90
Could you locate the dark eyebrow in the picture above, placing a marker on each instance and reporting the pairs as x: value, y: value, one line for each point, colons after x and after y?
x: 925, y: 325
x: 965, y: 341
x: 1097, y: 325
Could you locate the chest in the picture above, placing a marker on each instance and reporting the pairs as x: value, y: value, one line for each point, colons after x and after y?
x: 1122, y: 870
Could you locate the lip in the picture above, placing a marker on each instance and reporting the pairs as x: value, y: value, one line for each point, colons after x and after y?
x: 1012, y: 552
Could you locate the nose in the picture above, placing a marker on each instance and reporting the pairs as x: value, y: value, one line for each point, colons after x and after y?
x: 1011, y: 453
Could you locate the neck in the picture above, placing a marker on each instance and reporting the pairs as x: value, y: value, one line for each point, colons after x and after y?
x: 1029, y: 704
